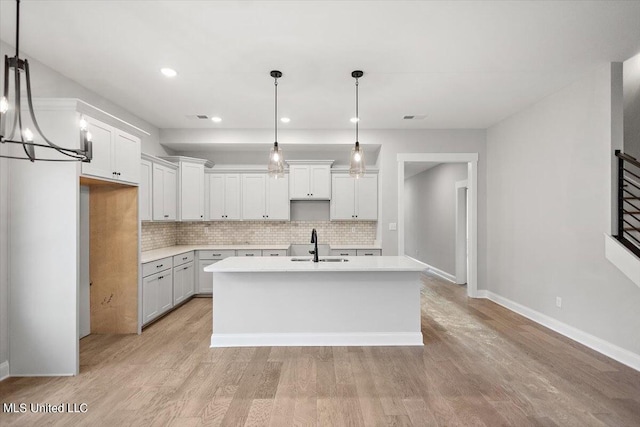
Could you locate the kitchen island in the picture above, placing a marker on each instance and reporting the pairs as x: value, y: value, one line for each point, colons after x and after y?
x: 287, y: 301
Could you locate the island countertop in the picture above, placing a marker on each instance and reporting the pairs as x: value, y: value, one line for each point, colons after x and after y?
x: 285, y: 264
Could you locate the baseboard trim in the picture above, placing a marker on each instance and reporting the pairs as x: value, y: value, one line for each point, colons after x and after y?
x: 619, y: 354
x: 4, y: 370
x: 317, y: 340
x: 450, y: 277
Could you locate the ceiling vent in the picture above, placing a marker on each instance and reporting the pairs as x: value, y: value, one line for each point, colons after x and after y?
x: 415, y: 117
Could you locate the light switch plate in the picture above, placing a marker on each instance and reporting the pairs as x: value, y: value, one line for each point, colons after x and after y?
x: 393, y: 226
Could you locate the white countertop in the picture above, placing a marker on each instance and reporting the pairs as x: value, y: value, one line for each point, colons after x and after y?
x: 156, y: 254
x: 284, y: 264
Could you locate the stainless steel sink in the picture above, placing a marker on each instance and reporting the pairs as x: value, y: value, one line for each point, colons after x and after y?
x: 321, y: 259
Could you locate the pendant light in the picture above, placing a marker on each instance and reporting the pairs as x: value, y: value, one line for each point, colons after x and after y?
x: 356, y: 161
x: 26, y: 135
x: 276, y: 160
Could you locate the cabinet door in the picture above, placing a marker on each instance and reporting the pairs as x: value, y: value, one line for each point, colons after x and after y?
x: 278, y: 198
x: 126, y: 155
x: 367, y: 197
x: 320, y: 181
x: 144, y: 191
x: 150, y: 308
x: 342, y: 197
x: 232, y: 200
x: 158, y: 192
x: 254, y: 196
x: 299, y: 182
x: 170, y: 196
x: 165, y: 291
x: 102, y: 138
x: 188, y: 280
x: 216, y: 196
x: 192, y: 192
x: 205, y: 280
x: 178, y: 285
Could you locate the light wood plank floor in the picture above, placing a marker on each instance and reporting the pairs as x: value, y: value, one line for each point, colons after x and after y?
x: 481, y: 365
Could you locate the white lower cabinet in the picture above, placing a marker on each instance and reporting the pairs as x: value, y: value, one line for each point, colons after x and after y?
x: 204, y: 283
x: 183, y: 282
x: 157, y: 295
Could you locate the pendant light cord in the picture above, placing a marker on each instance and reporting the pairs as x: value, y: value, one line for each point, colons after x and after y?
x: 275, y: 83
x: 357, y: 114
x: 17, y: 28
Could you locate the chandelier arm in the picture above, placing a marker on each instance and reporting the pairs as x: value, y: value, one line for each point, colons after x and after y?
x: 35, y: 144
x: 33, y: 116
x: 39, y: 160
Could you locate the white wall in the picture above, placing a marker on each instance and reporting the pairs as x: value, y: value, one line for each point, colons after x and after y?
x: 392, y: 143
x: 631, y: 79
x: 430, y: 215
x: 548, y: 206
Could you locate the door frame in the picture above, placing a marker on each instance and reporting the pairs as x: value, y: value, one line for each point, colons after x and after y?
x: 461, y: 232
x: 472, y: 219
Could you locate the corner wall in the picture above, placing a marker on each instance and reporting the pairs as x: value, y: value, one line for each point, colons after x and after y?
x: 548, y: 206
x: 631, y: 90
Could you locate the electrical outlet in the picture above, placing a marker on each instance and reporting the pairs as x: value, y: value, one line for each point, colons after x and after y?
x: 558, y: 302
x: 207, y: 230
x: 393, y: 226
x: 353, y: 229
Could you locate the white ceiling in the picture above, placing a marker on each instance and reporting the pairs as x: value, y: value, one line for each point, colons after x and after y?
x: 463, y: 64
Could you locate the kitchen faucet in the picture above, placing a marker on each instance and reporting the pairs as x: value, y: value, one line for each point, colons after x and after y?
x: 314, y: 239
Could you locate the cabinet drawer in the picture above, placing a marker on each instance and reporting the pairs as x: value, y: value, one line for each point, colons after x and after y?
x: 182, y: 258
x: 369, y: 252
x: 217, y: 255
x: 343, y: 252
x: 156, y: 266
x: 251, y: 252
x: 274, y: 252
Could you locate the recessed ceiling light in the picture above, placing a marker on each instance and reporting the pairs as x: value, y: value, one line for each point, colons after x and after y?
x: 169, y: 72
x: 216, y: 119
x: 354, y: 119
x: 285, y: 119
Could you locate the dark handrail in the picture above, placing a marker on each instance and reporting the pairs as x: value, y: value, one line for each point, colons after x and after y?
x: 627, y: 158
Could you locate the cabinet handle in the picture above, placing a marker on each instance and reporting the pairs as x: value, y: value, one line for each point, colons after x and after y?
x: 119, y: 174
x: 344, y: 254
x: 185, y: 268
x: 201, y: 216
x: 275, y: 254
x: 185, y: 258
x: 161, y: 277
x: 368, y: 254
x: 158, y: 266
x: 166, y: 216
x: 216, y: 254
x: 248, y: 254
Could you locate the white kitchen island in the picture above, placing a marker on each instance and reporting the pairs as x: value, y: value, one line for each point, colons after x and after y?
x: 275, y: 301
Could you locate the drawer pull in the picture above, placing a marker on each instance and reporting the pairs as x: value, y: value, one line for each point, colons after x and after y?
x: 185, y: 268
x: 161, y: 265
x: 275, y: 254
x: 248, y: 254
x: 369, y: 254
x: 161, y: 277
x: 216, y: 254
x: 344, y: 254
x: 185, y: 258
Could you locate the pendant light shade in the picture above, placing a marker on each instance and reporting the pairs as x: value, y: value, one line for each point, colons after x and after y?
x: 11, y: 112
x: 356, y: 160
x: 276, y: 159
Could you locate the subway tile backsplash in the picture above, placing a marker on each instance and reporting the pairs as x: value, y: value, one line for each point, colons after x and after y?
x: 157, y: 235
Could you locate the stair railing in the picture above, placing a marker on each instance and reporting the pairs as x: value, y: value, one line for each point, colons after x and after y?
x: 628, y: 202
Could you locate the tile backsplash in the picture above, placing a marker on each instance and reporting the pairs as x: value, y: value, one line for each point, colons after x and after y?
x: 157, y: 235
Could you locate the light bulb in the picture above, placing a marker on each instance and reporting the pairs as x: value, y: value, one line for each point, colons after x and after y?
x: 83, y: 123
x: 354, y: 120
x: 28, y: 135
x: 276, y: 157
x: 89, y: 136
x: 4, y: 105
x: 357, y: 156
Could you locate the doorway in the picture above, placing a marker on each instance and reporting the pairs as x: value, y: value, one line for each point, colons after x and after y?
x: 471, y: 159
x: 462, y: 232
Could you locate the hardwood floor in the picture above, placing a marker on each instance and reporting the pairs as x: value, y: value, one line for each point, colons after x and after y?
x: 481, y: 365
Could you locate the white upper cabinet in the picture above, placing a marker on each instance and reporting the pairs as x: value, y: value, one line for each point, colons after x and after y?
x: 145, y: 195
x: 310, y: 180
x: 116, y: 154
x: 165, y: 184
x: 223, y: 196
x: 264, y: 197
x: 191, y: 187
x: 191, y: 206
x: 354, y: 199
